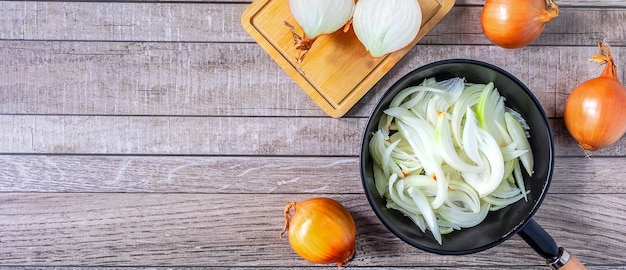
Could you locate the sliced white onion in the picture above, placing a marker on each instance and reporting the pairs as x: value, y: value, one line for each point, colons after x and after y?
x: 443, y: 141
x: 470, y: 136
x: 381, y: 181
x: 517, y: 131
x: 519, y: 179
x: 467, y: 100
x: 490, y: 111
x: 320, y: 17
x: 494, y: 172
x: 429, y: 215
x: 444, y: 158
x: 464, y: 219
x: 386, y: 26
x: 416, y: 218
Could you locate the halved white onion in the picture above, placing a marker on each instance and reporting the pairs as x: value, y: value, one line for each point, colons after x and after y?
x: 318, y: 17
x: 386, y: 26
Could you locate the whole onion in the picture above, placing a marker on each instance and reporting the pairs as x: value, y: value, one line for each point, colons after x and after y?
x: 595, y: 111
x: 320, y: 230
x: 513, y: 23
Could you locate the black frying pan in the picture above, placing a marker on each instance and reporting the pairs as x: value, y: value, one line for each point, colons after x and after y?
x: 499, y: 225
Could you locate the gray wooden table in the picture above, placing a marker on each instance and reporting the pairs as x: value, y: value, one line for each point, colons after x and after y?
x: 157, y: 133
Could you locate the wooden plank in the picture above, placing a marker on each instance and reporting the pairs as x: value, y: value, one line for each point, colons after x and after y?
x: 182, y: 151
x: 123, y: 21
x: 248, y: 175
x: 180, y: 135
x: 234, y: 79
x: 152, y: 135
x: 526, y: 267
x: 131, y: 229
x: 596, y: 267
x: 144, y: 79
x: 567, y: 29
x: 219, y: 22
x: 210, y: 174
x: 564, y: 3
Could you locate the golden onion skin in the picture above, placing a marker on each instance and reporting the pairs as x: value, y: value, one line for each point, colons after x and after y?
x: 514, y: 24
x: 595, y: 113
x: 321, y: 231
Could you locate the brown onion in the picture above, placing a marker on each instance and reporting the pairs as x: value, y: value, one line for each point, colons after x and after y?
x: 595, y: 111
x: 513, y: 23
x: 321, y: 230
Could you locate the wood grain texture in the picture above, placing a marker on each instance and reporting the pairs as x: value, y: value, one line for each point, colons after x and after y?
x: 594, y: 3
x: 126, y: 229
x: 180, y: 135
x: 181, y: 174
x: 226, y: 79
x: 219, y: 22
x: 457, y: 267
x: 145, y: 78
x: 563, y: 3
x: 158, y: 135
x: 247, y: 174
x: 153, y: 135
x: 566, y: 3
x: 129, y: 21
x: 570, y: 28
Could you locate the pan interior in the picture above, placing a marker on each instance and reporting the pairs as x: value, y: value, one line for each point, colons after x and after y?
x: 499, y: 225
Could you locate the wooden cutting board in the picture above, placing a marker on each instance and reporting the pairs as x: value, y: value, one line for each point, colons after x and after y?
x: 337, y: 71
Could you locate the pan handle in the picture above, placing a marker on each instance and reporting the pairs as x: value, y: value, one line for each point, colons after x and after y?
x: 544, y: 245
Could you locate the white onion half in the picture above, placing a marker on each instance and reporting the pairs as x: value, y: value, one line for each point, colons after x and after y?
x: 386, y: 26
x: 318, y: 17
